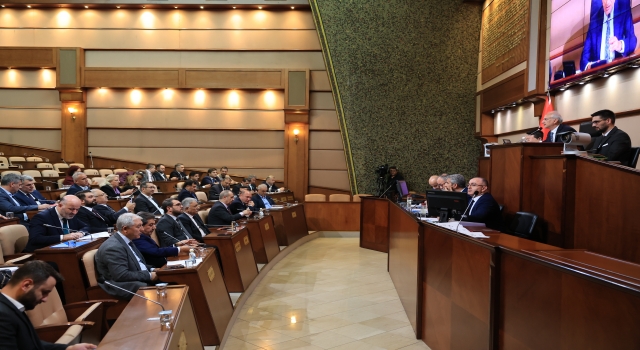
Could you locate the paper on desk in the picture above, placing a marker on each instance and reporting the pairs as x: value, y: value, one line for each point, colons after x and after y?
x: 277, y: 206
x: 12, y: 269
x: 94, y: 236
x: 461, y: 229
x: 183, y: 262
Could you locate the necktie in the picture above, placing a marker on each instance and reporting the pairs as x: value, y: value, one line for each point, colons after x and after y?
x: 65, y: 227
x: 473, y: 205
x: 34, y: 198
x: 184, y: 231
x: 135, y: 252
x: 96, y: 214
x: 116, y: 190
x: 607, y: 51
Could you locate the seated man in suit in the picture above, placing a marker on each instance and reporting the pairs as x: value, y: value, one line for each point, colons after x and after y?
x: 9, y: 186
x: 270, y: 181
x: 148, y: 173
x: 244, y: 184
x: 613, y: 142
x: 242, y: 202
x: 178, y: 174
x: 80, y: 183
x: 62, y: 221
x: 553, y: 122
x: 28, y: 195
x: 211, y: 178
x: 29, y: 286
x: 188, y: 191
x: 102, y: 208
x: 220, y: 214
x: 159, y: 174
x: 261, y: 200
x: 145, y: 202
x: 455, y: 183
x: 534, y: 136
x: 152, y: 253
x: 195, y: 177
x: 169, y: 229
x: 482, y: 207
x: 191, y: 220
x: 88, y: 215
x: 253, y: 187
x: 224, y: 185
x: 119, y: 262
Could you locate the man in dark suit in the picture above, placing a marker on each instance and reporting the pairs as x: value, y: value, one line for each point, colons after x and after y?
x: 119, y: 262
x: 191, y: 220
x: 252, y: 184
x: 244, y: 184
x: 188, y: 191
x: 145, y: 202
x: 179, y: 173
x: 66, y: 226
x: 169, y: 230
x: 28, y: 195
x: 482, y: 207
x: 220, y: 214
x: 611, y: 26
x: 613, y: 142
x: 159, y: 174
x: 261, y: 200
x: 148, y: 173
x: 80, y: 183
x: 88, y: 215
x: 29, y: 286
x: 270, y: 181
x: 9, y: 186
x: 455, y: 183
x: 211, y: 178
x: 224, y: 185
x: 553, y: 122
x: 152, y: 253
x: 102, y: 208
x: 242, y: 202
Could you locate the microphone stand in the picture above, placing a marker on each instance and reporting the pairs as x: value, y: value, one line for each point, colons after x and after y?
x: 465, y: 211
x: 91, y: 157
x: 385, y: 191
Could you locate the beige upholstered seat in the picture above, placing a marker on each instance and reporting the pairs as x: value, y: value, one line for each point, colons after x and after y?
x: 118, y: 171
x: 63, y: 194
x: 80, y: 165
x: 44, y: 166
x: 100, y: 181
x: 315, y: 198
x: 17, y: 159
x: 179, y: 185
x: 32, y: 173
x: 204, y: 214
x: 49, y: 173
x: 202, y: 197
x: 94, y: 291
x: 60, y: 181
x: 10, y: 172
x: 91, y: 172
x: 89, y: 262
x: 174, y: 196
x: 34, y: 159
x: 154, y: 236
x: 358, y: 197
x: 339, y: 198
x: 60, y: 167
x: 105, y: 172
x: 13, y: 239
x: 4, y: 163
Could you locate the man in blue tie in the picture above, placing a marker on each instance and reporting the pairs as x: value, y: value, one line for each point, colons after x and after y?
x: 9, y: 186
x: 57, y: 224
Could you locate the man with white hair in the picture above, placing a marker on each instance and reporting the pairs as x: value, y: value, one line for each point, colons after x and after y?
x: 553, y: 122
x: 28, y: 195
x: 80, y: 183
x: 9, y: 186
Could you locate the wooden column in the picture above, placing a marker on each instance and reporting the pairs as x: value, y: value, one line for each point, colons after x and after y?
x: 296, y: 132
x: 73, y: 126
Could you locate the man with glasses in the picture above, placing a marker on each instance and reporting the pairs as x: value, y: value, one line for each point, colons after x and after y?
x: 613, y: 143
x: 553, y: 122
x: 170, y: 230
x: 145, y: 202
x: 154, y: 255
x: 28, y: 195
x: 103, y: 209
x: 482, y: 207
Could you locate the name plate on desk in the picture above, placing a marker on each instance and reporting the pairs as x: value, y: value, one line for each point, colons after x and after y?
x: 238, y: 247
x: 293, y: 215
x: 246, y: 240
x: 211, y: 274
x: 266, y: 226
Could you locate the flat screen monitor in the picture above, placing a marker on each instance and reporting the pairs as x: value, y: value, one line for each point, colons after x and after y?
x: 444, y: 203
x: 402, y: 188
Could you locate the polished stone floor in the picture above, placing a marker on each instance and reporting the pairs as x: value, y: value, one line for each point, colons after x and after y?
x: 327, y: 294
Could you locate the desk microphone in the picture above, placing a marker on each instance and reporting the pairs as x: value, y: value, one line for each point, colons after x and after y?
x: 64, y: 161
x: 90, y: 156
x: 385, y: 191
x: 70, y: 230
x: 138, y: 295
x: 465, y: 211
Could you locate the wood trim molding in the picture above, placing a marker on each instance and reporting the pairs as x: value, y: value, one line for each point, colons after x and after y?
x: 296, y: 159
x: 28, y: 57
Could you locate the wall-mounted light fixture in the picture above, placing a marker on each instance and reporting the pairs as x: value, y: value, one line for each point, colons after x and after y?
x: 295, y: 135
x: 73, y: 111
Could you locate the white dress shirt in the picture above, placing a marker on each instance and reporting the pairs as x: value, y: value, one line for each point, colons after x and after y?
x: 16, y: 303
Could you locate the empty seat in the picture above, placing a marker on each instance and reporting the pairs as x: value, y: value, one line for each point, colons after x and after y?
x: 100, y: 181
x: 202, y: 197
x: 315, y: 198
x: 105, y: 172
x: 44, y: 166
x: 60, y: 181
x: 32, y: 173
x: 16, y: 159
x: 4, y: 163
x: 34, y: 159
x: 358, y: 197
x: 79, y: 165
x: 630, y: 158
x: 179, y: 185
x: 13, y: 239
x: 339, y: 198
x: 118, y: 171
x: 204, y: 214
x: 523, y: 224
x: 91, y: 172
x: 10, y: 172
x: 60, y: 167
x: 49, y: 173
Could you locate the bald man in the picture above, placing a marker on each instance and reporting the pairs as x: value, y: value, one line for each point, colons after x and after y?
x: 433, y: 182
x: 64, y: 226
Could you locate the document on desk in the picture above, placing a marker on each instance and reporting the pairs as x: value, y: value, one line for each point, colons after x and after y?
x: 182, y: 262
x: 12, y: 268
x: 94, y: 236
x: 461, y: 229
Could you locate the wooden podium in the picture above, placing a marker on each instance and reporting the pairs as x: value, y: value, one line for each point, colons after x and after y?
x: 238, y: 265
x: 132, y: 330
x: 263, y: 238
x: 212, y: 304
x: 290, y: 224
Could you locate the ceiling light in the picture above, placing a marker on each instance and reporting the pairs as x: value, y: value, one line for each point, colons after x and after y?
x: 86, y: 7
x: 29, y: 6
x: 175, y: 7
x: 201, y: 7
x: 259, y: 7
x: 2, y: 5
x: 117, y: 7
x: 234, y: 7
x: 293, y: 7
x: 144, y: 7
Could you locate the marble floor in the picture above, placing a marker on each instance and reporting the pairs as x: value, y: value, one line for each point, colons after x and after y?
x: 327, y: 294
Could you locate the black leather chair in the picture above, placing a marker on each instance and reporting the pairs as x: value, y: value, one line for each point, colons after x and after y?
x: 631, y: 158
x: 523, y: 224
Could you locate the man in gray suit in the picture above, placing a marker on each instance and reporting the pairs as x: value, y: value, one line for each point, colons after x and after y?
x: 119, y: 262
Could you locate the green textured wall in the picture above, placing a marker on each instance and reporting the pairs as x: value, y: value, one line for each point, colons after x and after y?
x: 404, y: 76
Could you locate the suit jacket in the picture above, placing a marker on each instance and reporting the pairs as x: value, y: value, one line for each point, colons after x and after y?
x: 272, y: 188
x: 179, y: 175
x: 188, y: 224
x: 111, y: 193
x: 258, y: 203
x: 486, y: 210
x: 75, y: 189
x: 237, y: 206
x: 236, y: 188
x: 170, y: 226
x: 7, y: 205
x: 116, y: 264
x: 622, y: 29
x: 41, y: 236
x: 110, y: 215
x: 186, y: 194
x: 158, y: 176
x: 144, y: 204
x: 154, y: 255
x: 17, y: 332
x: 219, y: 215
x: 614, y: 146
x: 208, y: 180
x: 561, y: 128
x: 214, y: 192
x: 24, y: 199
x: 95, y: 221
x: 146, y: 177
x: 252, y: 187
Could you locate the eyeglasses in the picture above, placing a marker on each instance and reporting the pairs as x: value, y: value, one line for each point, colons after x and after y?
x: 177, y: 205
x: 474, y: 185
x: 597, y: 121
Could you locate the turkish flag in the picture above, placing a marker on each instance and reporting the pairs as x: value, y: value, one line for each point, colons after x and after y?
x: 548, y: 107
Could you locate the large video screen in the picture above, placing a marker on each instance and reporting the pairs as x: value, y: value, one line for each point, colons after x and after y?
x: 591, y: 35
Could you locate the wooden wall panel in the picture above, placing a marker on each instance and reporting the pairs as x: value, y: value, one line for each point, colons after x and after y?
x: 213, y: 139
x: 332, y: 216
x: 234, y: 79
x: 512, y: 89
x: 74, y: 132
x: 29, y: 98
x: 28, y: 57
x: 327, y: 191
x: 127, y: 78
x: 259, y: 40
x: 334, y: 179
x: 296, y: 159
x: 327, y: 160
x: 325, y: 140
x: 48, y: 139
x: 18, y: 78
x: 320, y: 81
x: 322, y: 100
x: 323, y: 120
x: 30, y: 118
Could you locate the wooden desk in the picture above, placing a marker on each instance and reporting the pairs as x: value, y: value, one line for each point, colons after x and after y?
x: 68, y: 260
x: 484, y: 167
x: 238, y: 265
x: 167, y: 186
x: 212, y: 304
x: 263, y: 238
x: 7, y: 222
x: 53, y: 195
x: 374, y: 224
x: 117, y: 204
x: 160, y: 197
x: 282, y: 197
x: 332, y: 216
x: 290, y: 224
x: 133, y: 331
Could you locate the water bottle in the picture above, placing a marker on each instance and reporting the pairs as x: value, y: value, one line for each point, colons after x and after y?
x: 192, y: 256
x: 261, y: 214
x: 409, y: 203
x: 233, y: 226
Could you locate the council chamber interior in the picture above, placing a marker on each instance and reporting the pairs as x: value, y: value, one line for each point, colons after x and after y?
x: 349, y: 133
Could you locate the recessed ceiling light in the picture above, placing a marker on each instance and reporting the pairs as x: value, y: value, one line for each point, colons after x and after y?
x: 29, y: 6
x: 259, y: 7
x: 144, y: 7
x: 117, y: 7
x: 293, y: 7
x: 86, y: 7
x: 201, y: 7
x: 234, y: 7
x: 2, y: 5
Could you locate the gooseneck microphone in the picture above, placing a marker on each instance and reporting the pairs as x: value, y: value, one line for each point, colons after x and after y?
x: 91, y: 157
x: 64, y: 161
x: 385, y: 191
x: 465, y: 211
x: 138, y: 295
x: 70, y: 230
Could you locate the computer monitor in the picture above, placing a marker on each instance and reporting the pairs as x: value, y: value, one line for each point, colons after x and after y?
x: 402, y: 188
x: 444, y: 203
